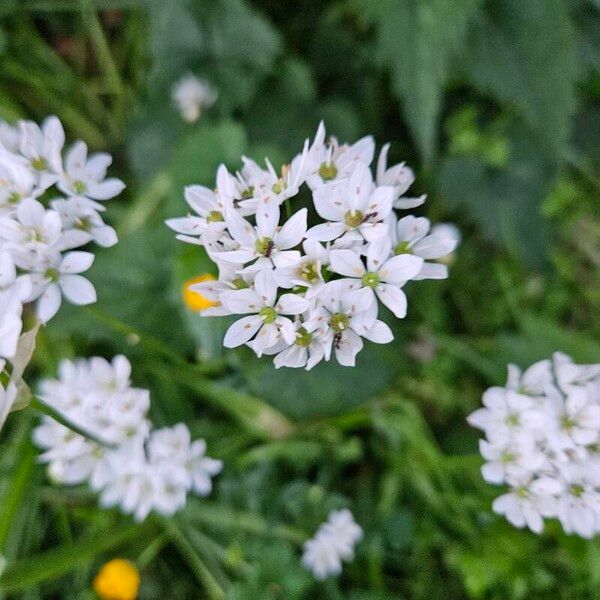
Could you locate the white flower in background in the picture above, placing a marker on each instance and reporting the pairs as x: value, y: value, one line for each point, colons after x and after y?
x: 409, y: 235
x: 382, y: 275
x: 55, y: 276
x: 333, y: 543
x: 191, y: 95
x: 128, y: 463
x: 42, y: 147
x: 17, y: 182
x: 543, y: 433
x: 38, y: 225
x: 354, y: 242
x: 79, y: 215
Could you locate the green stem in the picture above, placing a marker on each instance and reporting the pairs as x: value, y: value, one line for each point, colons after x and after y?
x: 49, y: 411
x: 205, y: 578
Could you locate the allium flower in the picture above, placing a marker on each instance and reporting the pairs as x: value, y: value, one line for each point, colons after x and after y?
x: 37, y: 225
x: 542, y: 433
x: 333, y: 543
x: 410, y: 236
x: 353, y: 239
x: 191, y: 95
x: 266, y: 325
x: 130, y: 465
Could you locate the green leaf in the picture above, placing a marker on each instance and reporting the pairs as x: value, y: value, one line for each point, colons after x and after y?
x: 56, y: 562
x: 523, y: 54
x: 416, y: 40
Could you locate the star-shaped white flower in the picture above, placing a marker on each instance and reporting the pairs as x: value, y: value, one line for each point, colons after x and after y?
x: 353, y: 206
x: 383, y: 276
x: 267, y: 245
x: 266, y: 324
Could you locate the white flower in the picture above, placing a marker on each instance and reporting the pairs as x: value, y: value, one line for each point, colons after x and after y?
x: 136, y: 468
x: 308, y: 349
x: 266, y: 187
x: 191, y: 95
x: 332, y: 161
x: 308, y: 272
x: 528, y: 501
x: 85, y: 176
x: 400, y: 177
x: 208, y: 224
x: 543, y: 440
x: 42, y: 147
x: 578, y: 504
x: 344, y: 316
x: 13, y: 292
x: 79, y: 215
x: 507, y: 415
x: 8, y: 396
x: 353, y: 205
x: 10, y: 137
x: 267, y: 245
x: 382, y: 276
x: 333, y: 542
x: 265, y: 323
x: 17, y: 182
x: 409, y: 236
x: 56, y: 275
x: 510, y: 459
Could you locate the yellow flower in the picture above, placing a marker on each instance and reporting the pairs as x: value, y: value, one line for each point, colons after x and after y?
x: 118, y: 579
x: 193, y: 300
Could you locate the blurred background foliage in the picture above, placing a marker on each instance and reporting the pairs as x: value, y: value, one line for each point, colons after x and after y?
x: 496, y: 105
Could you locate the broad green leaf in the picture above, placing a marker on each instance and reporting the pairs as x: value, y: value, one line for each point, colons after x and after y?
x: 523, y: 54
x: 416, y: 40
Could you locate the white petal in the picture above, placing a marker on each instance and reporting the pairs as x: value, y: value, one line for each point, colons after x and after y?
x: 293, y: 231
x: 49, y: 303
x: 379, y: 333
x: 241, y: 331
x: 399, y: 269
x: 77, y: 289
x: 76, y: 262
x: 346, y: 262
x: 291, y: 304
x: 241, y: 302
x: 326, y: 232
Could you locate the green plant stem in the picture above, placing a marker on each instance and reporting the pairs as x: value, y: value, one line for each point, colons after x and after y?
x: 49, y: 411
x: 213, y: 590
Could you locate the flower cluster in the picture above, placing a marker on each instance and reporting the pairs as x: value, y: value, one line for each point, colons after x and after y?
x: 131, y: 465
x: 333, y: 543
x: 308, y: 292
x: 48, y: 207
x: 543, y: 441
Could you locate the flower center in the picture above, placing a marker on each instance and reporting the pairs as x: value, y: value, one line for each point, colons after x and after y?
x: 507, y: 457
x: 79, y: 187
x: 52, y: 274
x: 521, y: 492
x: 239, y: 284
x: 214, y: 216
x: 310, y: 272
x: 328, y: 172
x: 268, y: 314
x: 402, y: 248
x: 370, y: 280
x: 353, y: 218
x: 264, y: 245
x: 568, y: 422
x: 512, y: 420
x: 14, y: 198
x: 278, y: 187
x: 39, y: 163
x: 248, y: 193
x: 83, y: 224
x: 576, y: 490
x: 303, y: 338
x: 339, y: 322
